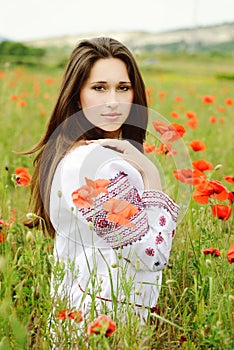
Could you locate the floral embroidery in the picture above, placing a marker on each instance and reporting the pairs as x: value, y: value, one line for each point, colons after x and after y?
x: 114, y: 234
x: 162, y: 220
x: 173, y: 233
x: 159, y: 239
x: 150, y: 251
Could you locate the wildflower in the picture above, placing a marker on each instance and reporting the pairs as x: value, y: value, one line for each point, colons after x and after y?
x: 220, y: 109
x: 165, y: 150
x: 119, y: 211
x: 23, y: 177
x: 190, y: 176
x: 221, y: 211
x: 4, y: 223
x: 229, y: 101
x: 14, y: 98
x: 178, y: 99
x: 191, y: 115
x: 175, y: 114
x: 212, y: 251
x: 208, y: 99
x: 197, y: 145
x: 231, y: 197
x: 73, y: 315
x: 22, y: 103
x: 230, y: 254
x: 148, y: 148
x: 83, y: 197
x: 49, y: 81
x: 2, y: 237
x: 212, y: 119
x: 102, y: 325
x: 162, y: 94
x: 149, y: 95
x: 229, y: 178
x: 202, y: 165
x: 210, y: 189
x: 169, y: 133
x: 192, y: 123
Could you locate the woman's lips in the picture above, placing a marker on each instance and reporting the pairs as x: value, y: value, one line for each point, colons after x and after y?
x: 111, y: 116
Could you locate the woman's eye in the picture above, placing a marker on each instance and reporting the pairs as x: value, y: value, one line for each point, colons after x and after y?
x: 99, y: 88
x: 124, y: 88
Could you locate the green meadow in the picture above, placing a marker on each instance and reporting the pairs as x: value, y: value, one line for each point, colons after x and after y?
x: 195, y: 308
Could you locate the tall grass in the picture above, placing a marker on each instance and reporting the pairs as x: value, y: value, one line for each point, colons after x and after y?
x: 195, y: 307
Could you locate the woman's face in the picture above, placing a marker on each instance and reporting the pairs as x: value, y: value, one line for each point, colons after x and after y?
x: 107, y: 95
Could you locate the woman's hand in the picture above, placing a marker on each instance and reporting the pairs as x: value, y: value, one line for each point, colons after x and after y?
x: 138, y: 160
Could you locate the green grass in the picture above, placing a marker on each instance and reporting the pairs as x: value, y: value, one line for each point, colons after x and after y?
x: 197, y: 296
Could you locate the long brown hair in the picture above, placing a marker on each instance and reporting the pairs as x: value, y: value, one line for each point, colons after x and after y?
x: 63, y: 130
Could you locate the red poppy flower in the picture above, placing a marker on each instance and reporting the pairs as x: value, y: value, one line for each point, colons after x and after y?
x: 221, y: 211
x: 102, y: 325
x: 210, y: 189
x: 192, y: 123
x: 175, y: 114
x: 178, y: 99
x: 229, y: 178
x: 148, y: 148
x: 165, y: 150
x: 23, y: 177
x: 197, y: 145
x: 231, y: 197
x: 119, y: 211
x: 212, y: 251
x: 22, y: 103
x: 220, y: 109
x: 4, y: 223
x: 190, y: 176
x: 229, y: 101
x: 208, y: 99
x: 83, y: 197
x: 49, y: 81
x: 202, y: 165
x: 212, y: 119
x: 14, y: 98
x: 169, y: 133
x: 73, y: 315
x: 2, y: 237
x: 230, y: 254
x: 162, y: 94
x: 191, y: 115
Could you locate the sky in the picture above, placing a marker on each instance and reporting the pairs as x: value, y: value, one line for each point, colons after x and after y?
x: 23, y: 20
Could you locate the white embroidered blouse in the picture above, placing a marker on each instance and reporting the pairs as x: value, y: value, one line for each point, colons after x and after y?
x: 91, y: 245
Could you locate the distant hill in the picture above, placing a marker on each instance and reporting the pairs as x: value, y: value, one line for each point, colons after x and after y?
x: 216, y: 37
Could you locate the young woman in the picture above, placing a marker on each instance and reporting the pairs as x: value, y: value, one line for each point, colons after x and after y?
x: 99, y: 195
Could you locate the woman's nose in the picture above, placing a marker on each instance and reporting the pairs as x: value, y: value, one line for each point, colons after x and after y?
x: 112, y: 99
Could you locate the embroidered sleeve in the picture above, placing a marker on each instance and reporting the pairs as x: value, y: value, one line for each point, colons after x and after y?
x: 147, y: 242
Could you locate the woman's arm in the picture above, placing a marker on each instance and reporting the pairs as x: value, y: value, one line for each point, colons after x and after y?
x: 138, y: 160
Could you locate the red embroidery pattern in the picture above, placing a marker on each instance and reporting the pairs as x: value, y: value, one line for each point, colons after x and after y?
x: 160, y: 200
x: 162, y: 220
x: 150, y: 251
x: 159, y: 239
x: 115, y: 235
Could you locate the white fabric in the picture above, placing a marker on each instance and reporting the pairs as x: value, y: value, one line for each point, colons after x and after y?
x: 140, y: 253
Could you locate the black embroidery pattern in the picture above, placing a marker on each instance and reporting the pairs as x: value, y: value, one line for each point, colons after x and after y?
x: 161, y: 200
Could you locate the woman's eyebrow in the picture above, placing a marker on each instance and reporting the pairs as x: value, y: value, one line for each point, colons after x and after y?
x: 105, y: 82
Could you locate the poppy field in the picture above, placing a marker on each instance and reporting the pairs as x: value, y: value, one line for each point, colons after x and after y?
x: 191, y: 99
